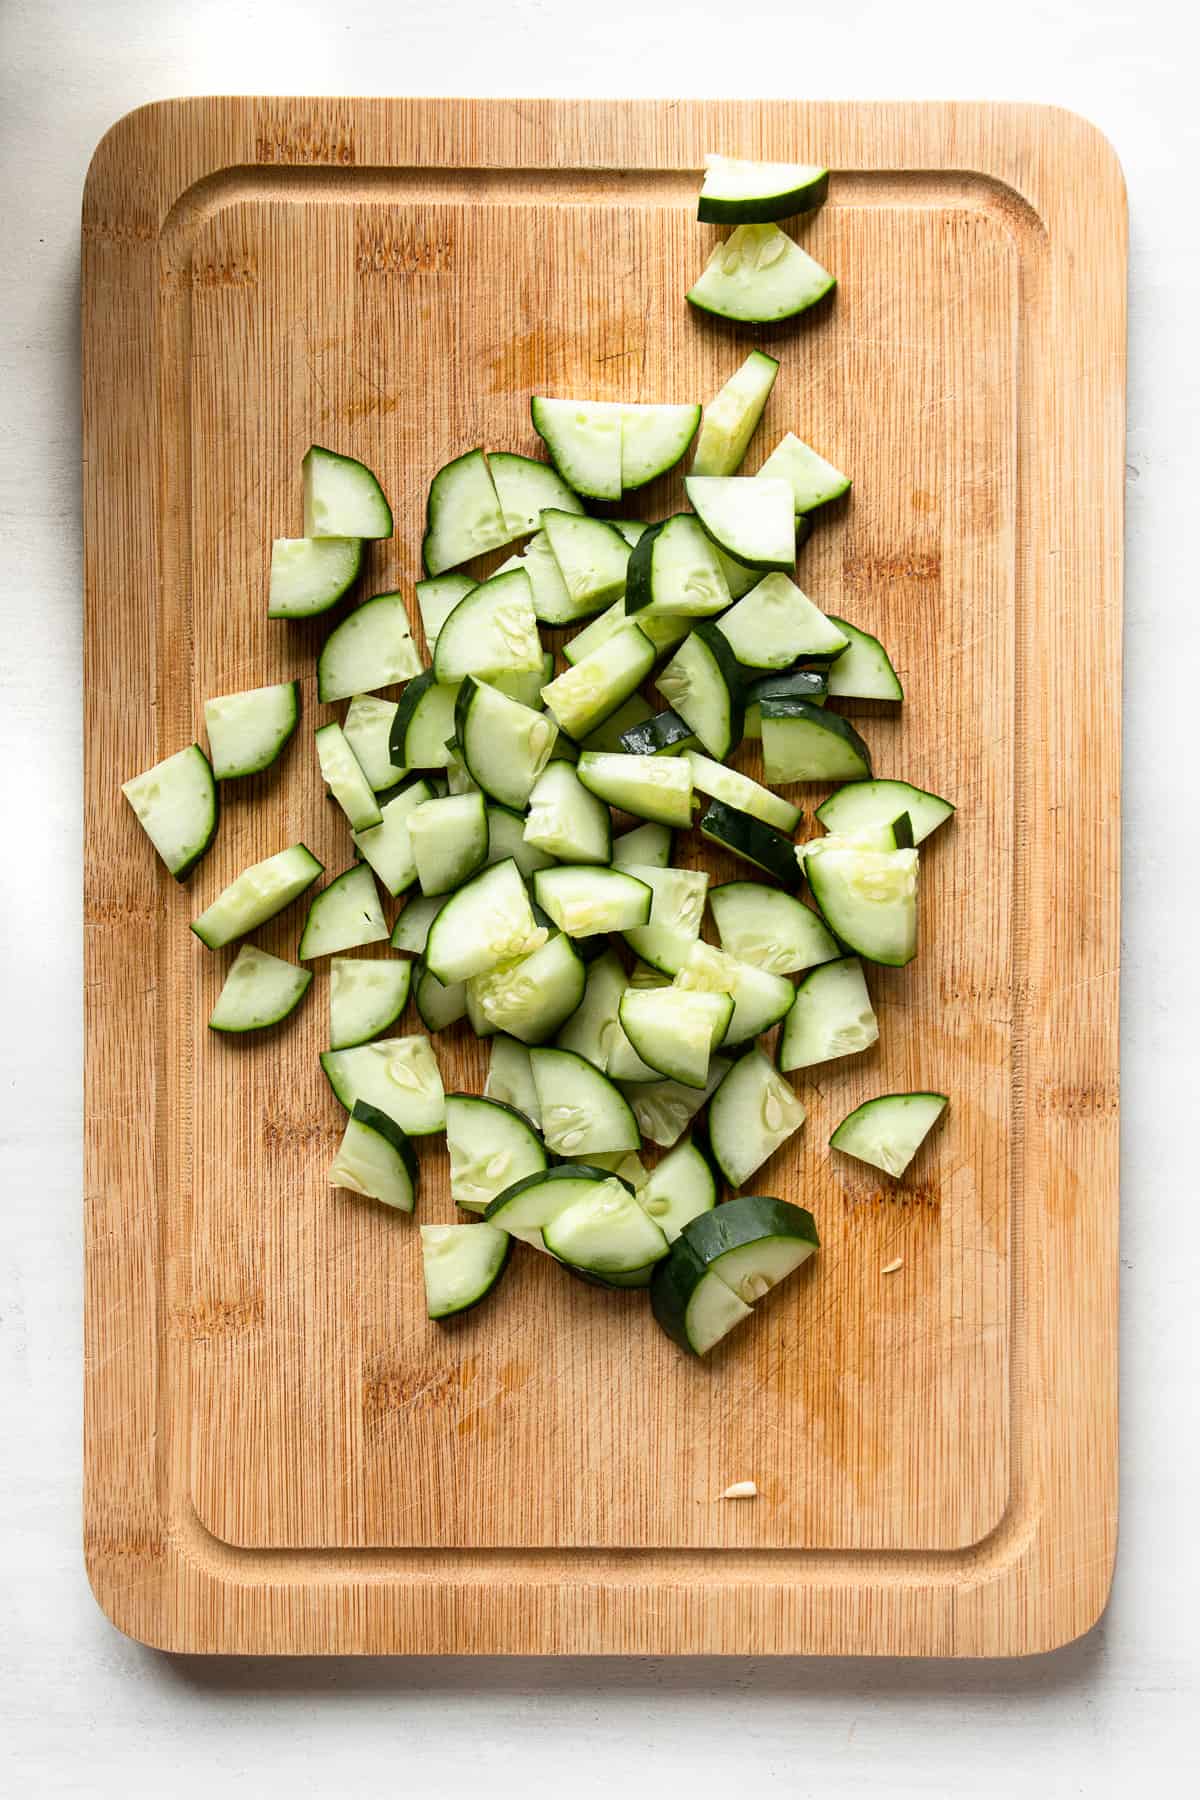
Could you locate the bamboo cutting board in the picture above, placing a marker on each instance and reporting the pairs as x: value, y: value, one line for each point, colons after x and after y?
x: 282, y: 1453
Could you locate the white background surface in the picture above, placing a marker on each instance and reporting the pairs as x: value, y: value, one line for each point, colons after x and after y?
x: 85, y: 1712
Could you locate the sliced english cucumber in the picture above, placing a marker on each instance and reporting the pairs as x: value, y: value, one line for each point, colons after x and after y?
x: 437, y: 598
x: 177, y: 807
x: 461, y: 1264
x: 789, y: 684
x: 584, y: 441
x: 674, y: 570
x: 866, y: 803
x: 757, y: 276
x: 748, y: 518
x: 486, y: 923
x: 731, y: 417
x: 423, y: 723
x: 505, y: 745
x: 259, y: 990
x: 439, y: 1006
x: 531, y: 999
x: 411, y: 929
x: 664, y: 1109
x: 681, y: 1187
x: 753, y: 1243
x: 365, y: 998
x: 398, y: 1075
x: 368, y: 729
x: 868, y: 898
x: 376, y: 1159
x: 343, y: 916
x: 449, y: 840
x: 606, y: 739
x: 525, y: 489
x: 526, y: 687
x: 585, y: 901
x: 592, y: 557
x: 646, y: 844
x: 737, y: 790
x: 664, y: 631
x: 888, y: 1131
x: 310, y: 574
x: 371, y: 647
x: 492, y: 631
x: 459, y: 779
x: 803, y: 742
x: 738, y: 578
x: 751, y: 840
x: 832, y: 1016
x: 663, y: 734
x: 605, y: 1233
x: 464, y: 517
x: 653, y: 440
x: 387, y: 847
x: 256, y: 895
x: 760, y: 999
x: 510, y: 1078
x: 624, y: 1063
x: 491, y: 1145
x: 675, y: 1030
x: 675, y: 915
x: 342, y: 499
x: 864, y: 671
x: 506, y: 841
x: 691, y: 1302
x: 565, y: 820
x: 593, y: 1028
x: 588, y: 692
x: 813, y: 481
x: 702, y: 684
x: 552, y: 603
x: 768, y: 928
x: 654, y: 788
x: 247, y: 731
x: 530, y: 1204
x: 344, y: 778
x: 752, y: 1113
x: 776, y: 625
x: 737, y: 192
x: 582, y: 1112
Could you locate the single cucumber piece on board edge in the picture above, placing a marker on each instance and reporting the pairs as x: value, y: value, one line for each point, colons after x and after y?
x: 831, y: 1016
x: 813, y: 481
x: 461, y: 1265
x: 736, y: 789
x: 587, y: 693
x: 525, y: 488
x: 491, y: 1145
x: 492, y: 631
x: 398, y: 1075
x: 582, y: 1112
x: 310, y: 574
x: 649, y: 787
x: 868, y: 898
x: 368, y: 729
x: 463, y: 517
x: 586, y: 901
x: 768, y: 928
x: 256, y: 895
x: 888, y: 1131
x: 344, y: 778
x: 864, y: 671
x: 731, y: 416
x: 758, y: 276
x: 344, y: 915
x: 505, y: 745
x: 776, y: 624
x: 342, y: 499
x: 748, y: 518
x: 488, y: 921
x: 247, y: 731
x: 510, y: 1078
x: 592, y: 557
x: 703, y: 684
x: 744, y: 1248
x: 375, y: 1159
x: 662, y: 734
x: 752, y: 840
x: 737, y: 192
x: 752, y: 1113
x: 803, y: 742
x: 605, y: 1232
x: 683, y: 1185
x: 178, y: 808
x: 365, y: 998
x: 437, y: 598
x: 675, y: 571
x: 371, y: 647
x: 533, y: 998
x: 863, y: 804
x: 387, y: 847
x: 259, y: 990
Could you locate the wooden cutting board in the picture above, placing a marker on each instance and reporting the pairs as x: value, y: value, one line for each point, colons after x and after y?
x: 282, y: 1453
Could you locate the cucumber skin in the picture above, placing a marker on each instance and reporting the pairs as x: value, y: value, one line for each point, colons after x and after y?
x: 363, y: 1113
x: 767, y: 210
x: 739, y: 1221
x: 470, y: 1305
x: 783, y: 865
x: 672, y: 1285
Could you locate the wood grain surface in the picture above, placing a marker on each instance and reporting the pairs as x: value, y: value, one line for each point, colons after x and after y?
x: 282, y: 1453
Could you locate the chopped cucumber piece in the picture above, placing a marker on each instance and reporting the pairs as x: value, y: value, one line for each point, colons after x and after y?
x: 664, y: 1109
x: 674, y: 571
x: 864, y: 671
x: 552, y: 603
x: 177, y: 807
x: 387, y: 847
x: 567, y: 821
x: 702, y: 684
x: 813, y: 481
x: 343, y: 915
x: 592, y: 557
x: 525, y: 489
x: 372, y: 647
x: 398, y: 1075
x: 342, y: 499
x: 411, y: 929
x: 647, y: 844
x: 664, y: 631
x: 584, y: 441
x: 605, y: 1233
x: 752, y: 1113
x: 365, y: 998
x: 738, y: 578
x: 594, y: 1027
x: 606, y: 739
x: 344, y: 778
x: 486, y: 923
x: 789, y: 684
x: 803, y: 742
x: 437, y: 598
x: 530, y: 1204
x: 752, y: 841
x: 675, y: 915
x: 247, y: 731
x: 758, y: 275
x: 256, y: 895
x: 760, y: 999
x: 505, y: 745
x: 776, y: 624
x: 449, y: 841
x: 368, y: 729
x: 868, y: 898
x: 492, y: 631
x: 663, y: 734
x: 653, y: 440
x: 888, y: 1131
x: 681, y: 1187
x: 585, y: 901
x: 423, y: 723
x: 675, y: 1030
x: 730, y: 419
x: 259, y: 990
x: 532, y: 998
x: 510, y: 1078
x: 461, y: 1265
x: 654, y: 788
x: 770, y: 929
x: 506, y: 841
x: 691, y: 1302
x: 753, y: 1243
x: 491, y: 1145
x: 464, y: 517
x: 748, y: 518
x: 737, y: 192
x: 585, y: 694
x: 864, y: 804
x: 631, y: 529
x: 832, y: 1016
x: 735, y: 789
x: 439, y: 1007
x: 310, y: 574
x: 582, y: 1112
x: 459, y: 779
x: 527, y: 686
x: 376, y: 1159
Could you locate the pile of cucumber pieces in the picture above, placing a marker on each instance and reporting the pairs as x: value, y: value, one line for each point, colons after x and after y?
x: 487, y: 794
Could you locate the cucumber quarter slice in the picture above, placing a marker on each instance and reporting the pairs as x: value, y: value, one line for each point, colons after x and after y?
x: 505, y: 745
x: 646, y: 844
x: 748, y: 518
x: 675, y: 915
x: 864, y: 671
x: 368, y: 729
x: 343, y: 916
x: 813, y: 481
x: 256, y: 895
x: 247, y: 731
x: 753, y: 1243
x: 757, y: 276
x: 593, y: 1028
x: 510, y: 1078
x: 387, y: 847
x: 592, y: 557
x: 506, y: 841
x: 776, y: 624
x: 310, y: 574
x: 831, y: 1016
x: 585, y: 901
x: 582, y: 1112
x: 583, y: 438
x: 738, y: 578
x: 868, y: 898
x: 492, y: 631
x: 423, y: 723
x: 662, y: 734
x: 533, y: 998
x: 365, y: 998
x: 529, y: 1205
x: 449, y: 840
x: 464, y: 518
x: 703, y: 685
x: 439, y: 1007
x: 735, y: 789
x: 376, y: 1159
x: 649, y: 787
x: 491, y: 1146
x: 675, y: 1030
x: 344, y: 778
x: 736, y: 192
x: 567, y: 821
x: 398, y: 1075
x: 770, y: 929
x: 259, y: 990
x: 461, y: 1264
x: 803, y: 742
x: 372, y: 647
x: 664, y: 1109
x: 663, y: 630
x: 888, y: 1131
x: 674, y: 571
x: 731, y: 417
x: 552, y: 602
x: 760, y: 999
x: 681, y: 1187
x: 752, y: 1113
x: 653, y: 439
x: 525, y: 488
x: 177, y: 807
x: 788, y: 684
x: 691, y: 1302
x: 342, y: 499
x: 864, y: 804
x: 605, y: 1233
x: 606, y: 739
x: 587, y: 693
x: 752, y: 841
x: 437, y: 598
x: 411, y: 930
x: 487, y: 922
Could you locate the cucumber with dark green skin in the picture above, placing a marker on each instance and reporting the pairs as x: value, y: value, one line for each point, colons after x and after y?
x: 376, y: 1159
x: 864, y: 671
x: 675, y: 569
x: 658, y: 736
x: 888, y: 1131
x: 752, y: 1243
x: 753, y: 841
x: 423, y: 722
x: 461, y: 1266
x: 803, y: 742
x: 787, y: 684
x: 862, y: 804
x: 178, y: 807
x: 703, y: 684
x: 342, y: 498
x: 371, y: 647
x: 260, y: 990
x: 738, y: 191
x: 690, y: 1301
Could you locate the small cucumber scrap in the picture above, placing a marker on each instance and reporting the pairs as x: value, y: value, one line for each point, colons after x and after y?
x: 888, y: 1131
x: 387, y: 847
x: 864, y: 804
x: 680, y: 1187
x: 589, y: 691
x: 803, y: 742
x: 492, y: 631
x: 757, y: 276
x: 368, y: 728
x: 565, y: 820
x: 867, y: 897
x: 662, y: 734
x: 489, y: 921
x: 259, y: 990
x: 256, y: 895
x: 787, y: 684
x: 770, y: 929
x: 439, y: 1006
x: 592, y: 557
x: 464, y: 518
x: 582, y: 1112
x: 398, y: 1075
x: 813, y: 481
x: 344, y: 778
x: 703, y: 685
x: 177, y: 807
x: 449, y: 840
x: 343, y: 916
x: 376, y: 1159
x: 531, y: 999
x: 491, y: 1145
x: 525, y: 488
x: 505, y: 745
x: 649, y: 787
x: 745, y: 1247
x: 372, y: 647
x: 736, y: 789
x: 411, y: 930
x: 731, y: 417
x: 342, y: 499
x: 247, y: 731
x: 831, y: 1016
x: 776, y: 625
x: 461, y: 1265
x: 675, y: 572
x: 737, y: 192
x: 748, y: 518
x: 309, y: 575
x: 752, y: 1113
x: 751, y: 840
x: 585, y: 901
x: 864, y: 671
x: 365, y: 998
